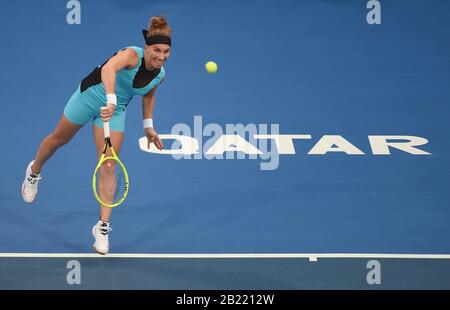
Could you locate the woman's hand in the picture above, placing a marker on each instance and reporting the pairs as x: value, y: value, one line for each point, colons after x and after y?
x: 152, y: 137
x: 107, y: 112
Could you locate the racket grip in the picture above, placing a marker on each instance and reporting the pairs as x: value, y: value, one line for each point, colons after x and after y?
x: 106, y: 130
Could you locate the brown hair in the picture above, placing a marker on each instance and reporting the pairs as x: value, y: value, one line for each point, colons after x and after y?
x: 158, y: 25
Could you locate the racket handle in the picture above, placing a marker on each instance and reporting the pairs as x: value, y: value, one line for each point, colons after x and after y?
x: 106, y: 131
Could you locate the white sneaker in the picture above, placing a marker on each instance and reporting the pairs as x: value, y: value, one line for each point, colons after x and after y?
x: 100, y: 232
x: 30, y: 184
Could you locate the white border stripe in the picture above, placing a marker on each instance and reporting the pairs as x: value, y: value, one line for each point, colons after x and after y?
x: 310, y: 256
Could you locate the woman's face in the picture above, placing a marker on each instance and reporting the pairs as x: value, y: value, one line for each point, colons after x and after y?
x: 156, y: 55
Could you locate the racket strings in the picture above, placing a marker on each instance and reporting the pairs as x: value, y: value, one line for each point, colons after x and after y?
x: 111, y: 183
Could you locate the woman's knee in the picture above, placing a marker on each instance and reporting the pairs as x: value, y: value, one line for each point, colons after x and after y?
x: 108, y: 178
x: 57, y: 141
x: 108, y: 168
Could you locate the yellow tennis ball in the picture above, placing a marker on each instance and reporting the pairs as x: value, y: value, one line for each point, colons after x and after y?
x: 211, y: 67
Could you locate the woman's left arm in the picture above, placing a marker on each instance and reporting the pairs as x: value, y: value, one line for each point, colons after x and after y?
x: 148, y: 103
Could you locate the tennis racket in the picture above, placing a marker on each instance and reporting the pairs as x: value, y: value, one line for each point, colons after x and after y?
x: 110, y: 181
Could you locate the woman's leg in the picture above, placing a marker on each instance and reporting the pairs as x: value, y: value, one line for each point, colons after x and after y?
x: 60, y: 136
x: 106, y: 180
x: 63, y: 133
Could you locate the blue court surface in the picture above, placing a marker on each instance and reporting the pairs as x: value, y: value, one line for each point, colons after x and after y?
x: 344, y: 105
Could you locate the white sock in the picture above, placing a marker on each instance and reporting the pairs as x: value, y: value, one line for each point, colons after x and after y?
x: 32, y: 173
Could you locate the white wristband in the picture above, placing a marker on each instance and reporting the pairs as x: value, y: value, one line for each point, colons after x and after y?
x: 148, y: 123
x: 111, y: 98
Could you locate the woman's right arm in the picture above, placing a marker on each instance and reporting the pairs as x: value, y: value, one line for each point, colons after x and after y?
x: 127, y: 58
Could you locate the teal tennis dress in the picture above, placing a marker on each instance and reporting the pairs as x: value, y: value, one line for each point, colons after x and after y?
x: 85, y: 103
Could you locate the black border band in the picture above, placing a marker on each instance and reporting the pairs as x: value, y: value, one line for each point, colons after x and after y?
x: 156, y: 39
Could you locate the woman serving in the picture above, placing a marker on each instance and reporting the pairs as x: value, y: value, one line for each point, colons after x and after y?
x: 103, y: 96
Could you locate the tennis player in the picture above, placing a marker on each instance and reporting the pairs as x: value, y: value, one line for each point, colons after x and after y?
x: 131, y: 71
